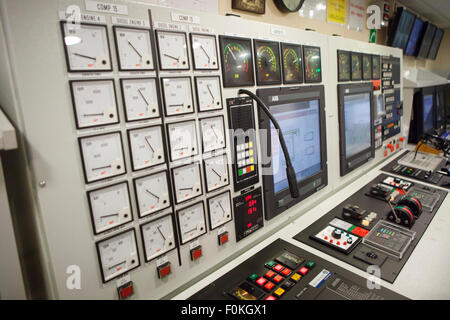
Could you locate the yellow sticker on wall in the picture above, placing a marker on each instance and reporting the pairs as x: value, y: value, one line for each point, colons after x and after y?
x: 336, y: 11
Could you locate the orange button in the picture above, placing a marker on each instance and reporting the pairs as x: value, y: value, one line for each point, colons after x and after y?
x: 269, y: 286
x: 278, y: 278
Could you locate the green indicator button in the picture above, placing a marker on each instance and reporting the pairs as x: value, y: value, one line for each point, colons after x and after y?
x: 270, y: 264
x: 253, y: 277
x: 310, y: 265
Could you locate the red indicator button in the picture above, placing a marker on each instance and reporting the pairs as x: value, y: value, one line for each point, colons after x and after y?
x: 163, y: 270
x: 278, y: 278
x: 126, y: 290
x: 278, y: 268
x: 270, y: 274
x: 261, y: 281
x: 196, y: 253
x: 223, y: 238
x: 303, y: 271
x: 270, y: 298
x: 269, y: 286
x: 286, y: 272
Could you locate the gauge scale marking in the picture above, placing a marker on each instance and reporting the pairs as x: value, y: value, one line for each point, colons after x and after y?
x: 237, y: 61
x: 134, y: 49
x: 140, y: 98
x: 268, y: 69
x: 94, y: 103
x: 110, y: 207
x: 158, y: 237
x: 292, y: 63
x: 86, y: 47
x: 118, y: 255
x: 152, y: 193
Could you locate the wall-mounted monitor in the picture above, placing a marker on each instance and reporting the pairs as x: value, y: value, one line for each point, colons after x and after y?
x: 423, y: 114
x: 300, y: 112
x: 356, y: 125
x: 416, y: 31
x: 426, y: 39
x: 438, y: 35
x: 401, y: 28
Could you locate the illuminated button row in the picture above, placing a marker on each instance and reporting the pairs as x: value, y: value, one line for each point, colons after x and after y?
x: 243, y: 171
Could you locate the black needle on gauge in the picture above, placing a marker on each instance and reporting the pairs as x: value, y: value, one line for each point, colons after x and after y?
x: 209, y: 59
x: 93, y: 114
x: 169, y: 56
x: 116, y: 265
x: 84, y: 56
x: 161, y: 233
x: 183, y: 189
x: 216, y: 173
x: 209, y: 89
x: 100, y: 168
x: 220, y: 204
x: 151, y: 193
x: 146, y: 139
x: 135, y: 50
x: 109, y: 215
x: 142, y: 95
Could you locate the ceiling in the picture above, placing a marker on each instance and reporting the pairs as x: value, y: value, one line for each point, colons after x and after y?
x: 436, y: 11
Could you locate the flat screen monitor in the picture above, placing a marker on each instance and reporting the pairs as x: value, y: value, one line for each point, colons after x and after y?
x: 426, y: 39
x: 300, y: 112
x: 403, y: 28
x: 435, y: 44
x: 356, y: 125
x: 423, y: 117
x: 428, y: 115
x: 441, y: 112
x: 411, y: 47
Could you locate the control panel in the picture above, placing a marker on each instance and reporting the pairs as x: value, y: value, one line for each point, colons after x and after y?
x: 153, y: 163
x: 378, y: 225
x: 284, y: 271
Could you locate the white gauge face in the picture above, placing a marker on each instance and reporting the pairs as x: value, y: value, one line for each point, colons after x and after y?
x: 208, y: 93
x: 158, y: 237
x: 87, y: 47
x: 140, y: 98
x: 95, y: 103
x: 216, y: 173
x: 118, y: 254
x: 110, y: 207
x: 183, y: 140
x: 152, y: 193
x: 187, y: 182
x: 205, y: 52
x: 178, y: 96
x: 134, y: 49
x: 173, y: 54
x: 213, y: 133
x: 147, y: 147
x: 102, y: 156
x: 192, y: 222
x: 219, y: 210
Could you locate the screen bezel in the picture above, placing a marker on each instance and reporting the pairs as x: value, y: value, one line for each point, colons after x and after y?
x: 346, y: 90
x: 417, y: 46
x: 272, y: 200
x: 422, y: 50
x: 432, y: 55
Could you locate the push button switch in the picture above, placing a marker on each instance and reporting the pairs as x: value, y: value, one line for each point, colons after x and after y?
x: 286, y: 272
x: 278, y: 268
x: 279, y: 292
x: 253, y: 277
x: 223, y: 238
x: 270, y: 274
x: 269, y: 286
x: 126, y: 290
x: 278, y: 278
x: 303, y: 271
x: 287, y: 285
x: 296, y: 277
x: 163, y: 270
x: 196, y: 253
x: 270, y: 264
x: 261, y: 281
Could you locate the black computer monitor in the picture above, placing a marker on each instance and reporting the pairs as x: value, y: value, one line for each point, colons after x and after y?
x: 356, y: 125
x: 435, y: 44
x: 401, y: 28
x: 412, y: 46
x: 441, y: 109
x: 423, y: 118
x: 426, y: 39
x: 300, y: 112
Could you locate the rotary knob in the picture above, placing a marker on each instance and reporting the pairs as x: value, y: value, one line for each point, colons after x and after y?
x: 336, y: 234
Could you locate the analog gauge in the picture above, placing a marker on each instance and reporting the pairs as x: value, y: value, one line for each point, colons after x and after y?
x: 158, y: 237
x: 209, y: 94
x: 147, y: 147
x: 376, y: 68
x: 152, y: 193
x: 367, y: 67
x: 177, y: 96
x: 292, y: 63
x: 118, y: 254
x: 110, y: 207
x: 204, y: 52
x: 134, y: 49
x: 313, y: 64
x: 216, y: 173
x: 102, y: 156
x: 213, y: 133
x: 173, y: 54
x: 87, y: 47
x: 182, y: 139
x: 140, y: 98
x: 344, y: 64
x: 192, y: 222
x: 356, y: 66
x: 237, y: 62
x: 187, y: 182
x: 94, y: 102
x: 268, y: 69
x: 219, y: 208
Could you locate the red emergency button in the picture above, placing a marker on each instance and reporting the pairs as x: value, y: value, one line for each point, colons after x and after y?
x: 163, y: 270
x: 303, y: 271
x: 402, y: 139
x: 196, y: 253
x: 126, y: 290
x: 223, y: 238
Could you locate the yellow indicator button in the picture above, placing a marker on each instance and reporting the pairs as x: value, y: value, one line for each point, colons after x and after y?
x: 250, y: 144
x: 279, y: 292
x: 251, y: 152
x: 296, y: 277
x: 252, y: 160
x: 252, y: 168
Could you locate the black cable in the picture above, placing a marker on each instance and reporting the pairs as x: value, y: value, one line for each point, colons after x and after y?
x: 290, y: 172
